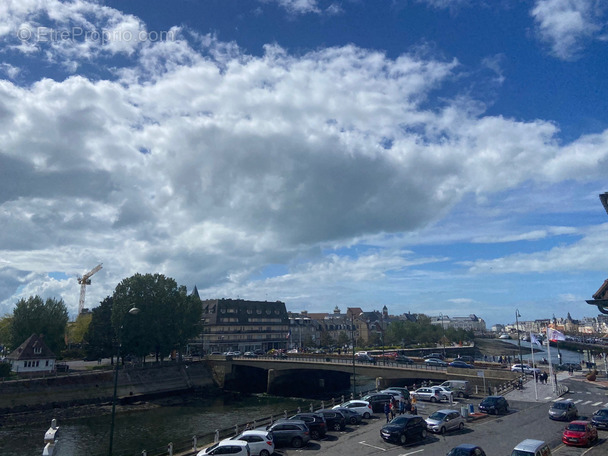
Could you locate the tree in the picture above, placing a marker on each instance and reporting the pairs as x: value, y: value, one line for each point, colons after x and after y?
x: 35, y: 316
x: 100, y: 334
x: 343, y: 339
x: 167, y: 316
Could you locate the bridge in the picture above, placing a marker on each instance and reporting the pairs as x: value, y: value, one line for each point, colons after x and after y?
x: 271, y: 375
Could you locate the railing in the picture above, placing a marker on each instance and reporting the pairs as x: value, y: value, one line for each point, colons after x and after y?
x: 197, y: 442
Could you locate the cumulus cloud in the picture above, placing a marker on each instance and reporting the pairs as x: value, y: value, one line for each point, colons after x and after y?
x: 568, y: 26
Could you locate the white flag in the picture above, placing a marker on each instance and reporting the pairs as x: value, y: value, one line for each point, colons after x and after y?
x: 534, y: 340
x: 554, y: 334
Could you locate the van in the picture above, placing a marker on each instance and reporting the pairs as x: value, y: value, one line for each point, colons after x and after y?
x: 461, y: 388
x: 531, y: 447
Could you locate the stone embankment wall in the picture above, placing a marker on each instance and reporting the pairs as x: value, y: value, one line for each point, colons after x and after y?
x: 79, y: 388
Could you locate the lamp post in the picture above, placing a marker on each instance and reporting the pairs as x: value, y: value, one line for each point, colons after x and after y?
x: 352, y: 337
x: 521, y: 362
x: 443, y: 333
x: 132, y: 311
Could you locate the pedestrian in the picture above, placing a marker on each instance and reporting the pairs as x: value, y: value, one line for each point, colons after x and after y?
x: 387, y: 411
x: 393, y: 409
x: 570, y: 370
x: 401, y: 405
x: 414, y: 406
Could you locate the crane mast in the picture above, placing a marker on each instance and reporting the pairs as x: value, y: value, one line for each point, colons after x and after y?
x: 84, y: 281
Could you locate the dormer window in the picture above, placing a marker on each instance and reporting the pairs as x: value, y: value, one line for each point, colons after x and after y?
x: 37, y: 350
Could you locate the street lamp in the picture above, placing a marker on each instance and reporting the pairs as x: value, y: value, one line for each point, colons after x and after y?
x: 352, y: 337
x: 521, y: 362
x: 132, y: 311
x: 443, y: 333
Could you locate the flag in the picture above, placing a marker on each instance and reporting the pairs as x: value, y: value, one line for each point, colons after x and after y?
x: 534, y: 340
x: 554, y: 334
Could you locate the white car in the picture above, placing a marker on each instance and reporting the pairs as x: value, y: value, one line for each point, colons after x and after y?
x: 446, y: 393
x: 228, y: 446
x: 429, y: 393
x: 260, y: 442
x: 398, y: 395
x: 363, y: 408
x: 526, y: 368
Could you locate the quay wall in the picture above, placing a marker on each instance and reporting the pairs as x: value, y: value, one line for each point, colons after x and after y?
x: 80, y: 388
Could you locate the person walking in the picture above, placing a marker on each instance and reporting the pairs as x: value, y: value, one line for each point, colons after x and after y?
x: 387, y: 411
x: 414, y: 405
x: 401, y: 405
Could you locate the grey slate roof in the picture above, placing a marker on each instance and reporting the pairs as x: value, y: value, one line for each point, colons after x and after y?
x: 33, y: 348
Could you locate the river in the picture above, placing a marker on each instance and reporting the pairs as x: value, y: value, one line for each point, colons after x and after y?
x: 152, y: 429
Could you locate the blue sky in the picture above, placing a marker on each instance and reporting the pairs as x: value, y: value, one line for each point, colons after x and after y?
x: 428, y: 155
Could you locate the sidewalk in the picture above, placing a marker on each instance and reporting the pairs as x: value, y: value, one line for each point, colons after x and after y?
x: 542, y: 392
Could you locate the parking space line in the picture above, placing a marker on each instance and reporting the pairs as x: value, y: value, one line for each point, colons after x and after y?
x: 597, y: 403
x: 606, y: 404
x: 412, y: 452
x: 373, y: 446
x: 547, y: 398
x: 586, y: 402
x: 580, y: 400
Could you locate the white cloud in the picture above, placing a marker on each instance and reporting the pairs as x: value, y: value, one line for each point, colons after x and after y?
x: 567, y: 26
x: 297, y: 6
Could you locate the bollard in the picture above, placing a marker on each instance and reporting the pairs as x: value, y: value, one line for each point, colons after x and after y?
x: 144, y: 453
x: 311, y: 408
x: 170, y: 448
x: 285, y: 414
x: 333, y: 402
x: 343, y: 398
x: 216, y: 438
x: 236, y: 429
x: 194, y: 444
x: 352, y: 396
x: 322, y: 404
x: 299, y: 410
x: 254, y: 424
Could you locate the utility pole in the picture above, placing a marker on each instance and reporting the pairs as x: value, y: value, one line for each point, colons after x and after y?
x: 521, y: 362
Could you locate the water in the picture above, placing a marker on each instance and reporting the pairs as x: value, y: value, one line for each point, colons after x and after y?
x: 153, y: 429
x: 568, y: 356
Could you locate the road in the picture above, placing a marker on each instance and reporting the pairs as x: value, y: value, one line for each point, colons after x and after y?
x: 528, y: 418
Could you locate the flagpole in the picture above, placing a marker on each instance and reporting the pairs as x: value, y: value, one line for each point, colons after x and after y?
x: 550, y: 363
x: 534, y: 367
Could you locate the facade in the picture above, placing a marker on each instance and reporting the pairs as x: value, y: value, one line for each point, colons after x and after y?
x: 32, y: 357
x: 470, y: 323
x: 237, y: 324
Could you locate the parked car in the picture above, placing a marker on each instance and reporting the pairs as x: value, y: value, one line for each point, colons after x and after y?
x: 461, y: 388
x: 292, y: 433
x: 228, y: 446
x: 568, y: 366
x: 580, y: 433
x: 404, y: 391
x: 494, y: 405
x: 316, y: 424
x: 404, y: 428
x: 531, y: 447
x: 445, y: 392
x: 435, y: 355
x: 445, y: 420
x: 460, y: 364
x: 377, y: 401
x: 363, y: 408
x: 62, y: 367
x: 466, y: 449
x: 527, y: 369
x: 260, y: 443
x: 428, y: 393
x: 351, y: 416
x: 435, y: 362
x: 600, y: 418
x: 396, y: 394
x: 563, y: 411
x: 334, y: 419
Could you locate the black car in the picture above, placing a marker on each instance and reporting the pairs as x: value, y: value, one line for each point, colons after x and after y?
x: 404, y: 428
x: 377, y: 401
x: 466, y: 359
x: 460, y: 364
x: 335, y: 419
x: 403, y: 360
x: 316, y: 424
x: 466, y: 449
x: 600, y: 418
x: 365, y: 358
x: 350, y: 415
x: 568, y: 366
x: 494, y: 405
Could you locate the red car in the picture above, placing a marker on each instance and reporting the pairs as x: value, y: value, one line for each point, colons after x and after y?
x: 579, y: 433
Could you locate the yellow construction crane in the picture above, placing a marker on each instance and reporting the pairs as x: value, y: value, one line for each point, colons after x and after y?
x: 84, y: 281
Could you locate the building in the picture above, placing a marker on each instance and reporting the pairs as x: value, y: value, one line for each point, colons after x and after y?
x: 32, y: 357
x: 470, y: 323
x: 237, y: 324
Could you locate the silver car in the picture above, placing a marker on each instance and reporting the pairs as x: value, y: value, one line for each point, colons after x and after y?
x: 430, y: 393
x: 445, y: 420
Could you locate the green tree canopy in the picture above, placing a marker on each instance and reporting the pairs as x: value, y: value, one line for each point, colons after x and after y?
x: 100, y: 334
x: 35, y: 316
x: 167, y: 316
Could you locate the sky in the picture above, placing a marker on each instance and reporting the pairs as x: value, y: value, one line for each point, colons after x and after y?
x: 433, y: 156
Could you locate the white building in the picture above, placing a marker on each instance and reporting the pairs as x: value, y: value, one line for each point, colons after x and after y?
x: 32, y: 356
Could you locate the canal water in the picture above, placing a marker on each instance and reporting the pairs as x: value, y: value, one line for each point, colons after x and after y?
x: 153, y: 429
